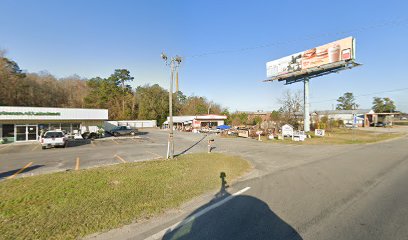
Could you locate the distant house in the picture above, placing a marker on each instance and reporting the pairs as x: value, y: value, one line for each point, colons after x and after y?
x: 347, y: 116
x: 253, y: 114
x: 372, y: 118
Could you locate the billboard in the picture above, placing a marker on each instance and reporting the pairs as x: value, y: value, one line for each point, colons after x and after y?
x: 340, y: 50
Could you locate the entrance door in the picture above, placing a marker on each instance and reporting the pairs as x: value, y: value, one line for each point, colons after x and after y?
x: 31, y: 132
x: 21, y: 134
x: 26, y: 133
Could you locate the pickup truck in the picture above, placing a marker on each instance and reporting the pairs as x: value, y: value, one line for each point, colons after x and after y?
x: 123, y: 130
x: 53, y: 139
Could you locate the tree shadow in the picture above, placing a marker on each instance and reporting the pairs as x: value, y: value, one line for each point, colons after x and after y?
x: 195, y: 144
x: 10, y: 173
x: 241, y: 217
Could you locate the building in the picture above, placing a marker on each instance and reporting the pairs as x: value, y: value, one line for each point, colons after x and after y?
x: 356, y: 116
x: 259, y: 113
x: 109, y: 125
x: 360, y: 117
x: 195, y: 122
x: 19, y: 124
x: 372, y: 118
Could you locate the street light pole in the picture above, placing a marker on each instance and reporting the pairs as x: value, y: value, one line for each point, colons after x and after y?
x: 173, y: 64
x: 170, y: 150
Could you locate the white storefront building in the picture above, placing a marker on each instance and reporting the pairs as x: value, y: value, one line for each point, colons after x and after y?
x: 197, y: 121
x: 27, y: 123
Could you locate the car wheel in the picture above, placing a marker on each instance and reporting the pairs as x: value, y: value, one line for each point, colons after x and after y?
x: 132, y: 133
x: 115, y: 134
x: 43, y: 147
x: 92, y: 136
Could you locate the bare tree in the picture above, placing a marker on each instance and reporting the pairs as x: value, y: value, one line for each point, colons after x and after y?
x: 291, y: 106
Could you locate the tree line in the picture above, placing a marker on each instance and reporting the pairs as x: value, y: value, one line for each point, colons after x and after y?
x: 380, y: 105
x: 19, y: 88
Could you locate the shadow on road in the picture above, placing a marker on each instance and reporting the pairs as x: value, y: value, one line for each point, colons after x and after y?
x: 10, y: 173
x: 77, y: 142
x: 242, y: 217
x: 142, y: 133
x: 195, y: 144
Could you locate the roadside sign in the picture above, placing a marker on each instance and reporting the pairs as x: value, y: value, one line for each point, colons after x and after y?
x: 287, y: 130
x: 319, y: 132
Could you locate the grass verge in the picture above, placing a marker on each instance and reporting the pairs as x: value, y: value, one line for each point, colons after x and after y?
x: 69, y: 205
x: 342, y: 136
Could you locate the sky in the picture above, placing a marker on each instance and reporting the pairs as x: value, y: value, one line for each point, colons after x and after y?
x: 224, y: 44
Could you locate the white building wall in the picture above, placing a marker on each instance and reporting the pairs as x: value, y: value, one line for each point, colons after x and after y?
x: 44, y: 113
x: 346, y: 117
x: 132, y: 123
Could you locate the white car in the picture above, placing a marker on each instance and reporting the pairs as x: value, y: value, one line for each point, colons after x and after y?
x: 53, y: 138
x: 350, y: 125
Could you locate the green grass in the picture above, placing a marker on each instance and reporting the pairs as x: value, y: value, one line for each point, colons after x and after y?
x: 342, y: 136
x: 69, y: 205
x: 401, y: 123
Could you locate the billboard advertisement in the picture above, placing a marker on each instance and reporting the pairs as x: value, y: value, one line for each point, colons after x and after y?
x: 340, y: 50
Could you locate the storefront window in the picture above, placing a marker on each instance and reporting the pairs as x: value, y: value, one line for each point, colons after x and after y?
x: 66, y: 128
x: 8, y: 132
x: 76, y: 128
x: 55, y: 126
x: 42, y: 128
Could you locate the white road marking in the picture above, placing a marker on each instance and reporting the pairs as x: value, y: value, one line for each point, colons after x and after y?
x: 177, y: 225
x: 5, y: 147
x: 155, y: 154
x: 120, y: 158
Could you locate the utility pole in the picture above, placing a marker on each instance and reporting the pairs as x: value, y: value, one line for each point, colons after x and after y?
x: 177, y: 82
x: 173, y: 64
x: 123, y: 98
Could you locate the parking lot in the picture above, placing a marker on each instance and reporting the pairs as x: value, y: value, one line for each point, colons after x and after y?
x: 17, y: 160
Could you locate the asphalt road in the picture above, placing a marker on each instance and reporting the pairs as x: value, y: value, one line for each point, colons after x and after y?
x: 297, y: 192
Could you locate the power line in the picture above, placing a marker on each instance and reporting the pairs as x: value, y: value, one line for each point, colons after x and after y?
x: 391, y: 23
x: 364, y: 95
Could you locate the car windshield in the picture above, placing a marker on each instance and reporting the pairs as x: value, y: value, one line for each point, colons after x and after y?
x: 53, y: 135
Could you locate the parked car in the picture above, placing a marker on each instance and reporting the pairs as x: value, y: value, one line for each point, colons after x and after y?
x: 379, y: 124
x: 348, y: 125
x: 53, y: 139
x: 123, y: 130
x: 403, y: 118
x: 90, y: 135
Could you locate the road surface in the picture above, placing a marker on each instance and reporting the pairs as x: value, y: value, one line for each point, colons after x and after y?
x: 297, y: 192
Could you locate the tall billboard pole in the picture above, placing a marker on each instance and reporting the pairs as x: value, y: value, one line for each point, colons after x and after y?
x: 306, y: 121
